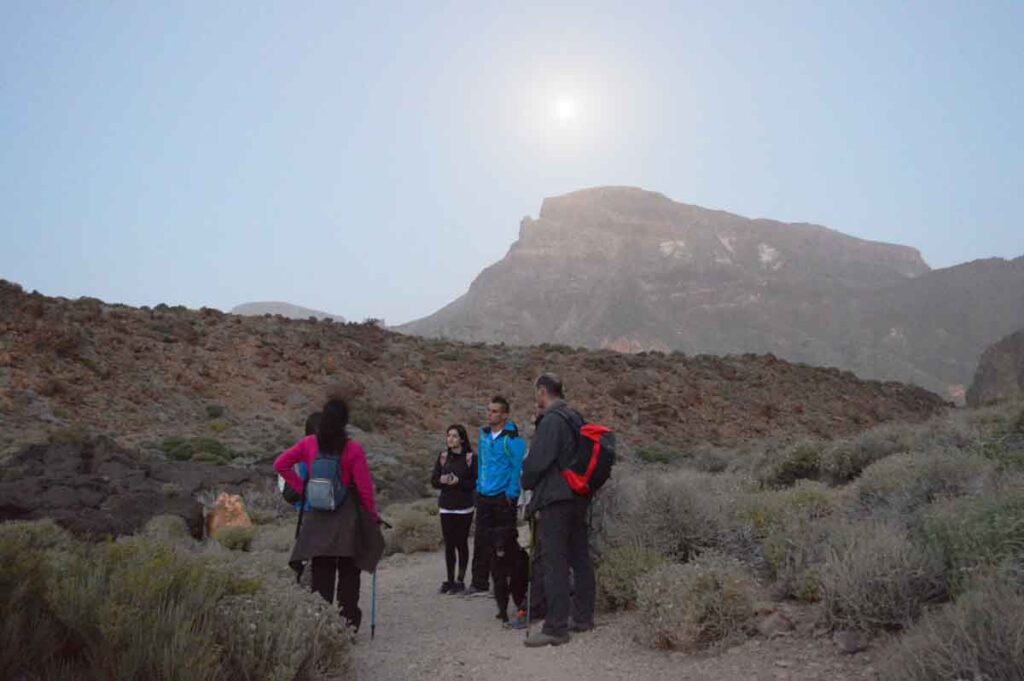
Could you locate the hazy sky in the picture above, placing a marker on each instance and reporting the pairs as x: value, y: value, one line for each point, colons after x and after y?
x: 370, y: 159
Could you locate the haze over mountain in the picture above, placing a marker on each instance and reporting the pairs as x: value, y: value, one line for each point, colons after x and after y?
x: 284, y: 309
x: 631, y: 270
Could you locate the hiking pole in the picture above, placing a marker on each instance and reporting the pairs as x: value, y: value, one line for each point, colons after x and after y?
x: 529, y: 572
x: 373, y: 606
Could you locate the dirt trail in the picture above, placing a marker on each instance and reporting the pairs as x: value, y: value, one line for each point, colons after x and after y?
x: 424, y: 635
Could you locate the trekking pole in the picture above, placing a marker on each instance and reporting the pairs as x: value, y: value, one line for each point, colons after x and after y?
x: 373, y: 606
x: 529, y: 572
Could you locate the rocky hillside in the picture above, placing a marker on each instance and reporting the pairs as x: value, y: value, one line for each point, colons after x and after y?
x: 1000, y: 374
x: 284, y: 309
x: 631, y: 270
x: 144, y: 375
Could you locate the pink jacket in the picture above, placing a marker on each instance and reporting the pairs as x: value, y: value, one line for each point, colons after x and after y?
x: 353, y: 468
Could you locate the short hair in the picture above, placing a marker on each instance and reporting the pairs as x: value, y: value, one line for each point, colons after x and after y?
x: 498, y: 399
x: 550, y: 383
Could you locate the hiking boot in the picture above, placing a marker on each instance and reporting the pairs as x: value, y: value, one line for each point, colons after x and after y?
x: 540, y: 640
x: 473, y: 590
x: 445, y: 587
x: 580, y: 627
x: 457, y: 588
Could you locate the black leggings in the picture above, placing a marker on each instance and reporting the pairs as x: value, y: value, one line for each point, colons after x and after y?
x: 328, y: 570
x: 455, y: 529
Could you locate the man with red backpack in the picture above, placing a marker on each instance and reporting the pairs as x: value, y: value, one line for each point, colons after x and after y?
x: 562, y: 471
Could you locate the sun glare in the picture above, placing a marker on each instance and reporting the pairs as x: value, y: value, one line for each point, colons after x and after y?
x: 565, y: 110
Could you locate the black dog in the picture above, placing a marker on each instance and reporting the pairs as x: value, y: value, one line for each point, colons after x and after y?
x: 510, y: 568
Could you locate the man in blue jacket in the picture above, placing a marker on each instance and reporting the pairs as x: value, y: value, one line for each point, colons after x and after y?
x: 500, y: 453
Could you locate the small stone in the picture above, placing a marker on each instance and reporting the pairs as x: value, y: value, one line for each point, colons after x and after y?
x: 850, y: 641
x: 783, y: 663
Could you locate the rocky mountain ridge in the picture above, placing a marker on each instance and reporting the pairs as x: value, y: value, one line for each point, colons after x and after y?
x: 631, y: 270
x: 1000, y: 374
x: 287, y: 310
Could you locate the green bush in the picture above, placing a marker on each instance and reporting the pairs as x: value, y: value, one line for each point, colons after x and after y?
x: 792, y: 527
x: 694, y: 606
x: 969, y: 532
x: 234, y: 537
x: 203, y: 449
x: 977, y: 637
x: 617, y: 574
x: 874, y: 578
x: 168, y: 528
x: 799, y: 462
x: 656, y: 455
x: 902, y: 483
x: 844, y: 460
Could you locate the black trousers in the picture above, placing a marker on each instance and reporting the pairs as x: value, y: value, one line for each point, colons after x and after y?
x: 327, y: 571
x: 491, y: 512
x: 455, y: 530
x: 563, y: 534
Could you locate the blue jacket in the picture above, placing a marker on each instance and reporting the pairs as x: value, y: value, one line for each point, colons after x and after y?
x: 500, y: 462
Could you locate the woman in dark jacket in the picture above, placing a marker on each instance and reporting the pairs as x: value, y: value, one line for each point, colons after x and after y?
x: 455, y: 475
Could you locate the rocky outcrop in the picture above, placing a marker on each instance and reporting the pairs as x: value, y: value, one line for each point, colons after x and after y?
x: 1000, y: 374
x: 95, y: 488
x: 631, y: 270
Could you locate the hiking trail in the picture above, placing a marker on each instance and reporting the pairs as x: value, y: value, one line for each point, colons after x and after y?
x: 422, y: 634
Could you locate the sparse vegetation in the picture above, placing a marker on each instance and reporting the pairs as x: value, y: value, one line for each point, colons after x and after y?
x: 414, y: 527
x: 618, y: 572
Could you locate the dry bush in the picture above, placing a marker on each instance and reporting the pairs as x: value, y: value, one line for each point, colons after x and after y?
x: 977, y: 637
x: 617, y: 573
x: 900, y: 484
x: 844, y: 460
x: 694, y: 606
x: 970, y: 532
x: 414, y: 527
x: 792, y: 528
x: 167, y: 528
x: 235, y: 537
x: 266, y: 505
x: 678, y: 514
x: 874, y: 578
x: 278, y: 538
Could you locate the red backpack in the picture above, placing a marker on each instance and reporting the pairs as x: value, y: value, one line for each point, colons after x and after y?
x: 592, y: 464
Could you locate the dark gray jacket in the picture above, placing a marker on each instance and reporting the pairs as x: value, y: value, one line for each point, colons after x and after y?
x: 551, y: 450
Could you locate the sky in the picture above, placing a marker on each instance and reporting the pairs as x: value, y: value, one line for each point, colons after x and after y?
x: 370, y: 159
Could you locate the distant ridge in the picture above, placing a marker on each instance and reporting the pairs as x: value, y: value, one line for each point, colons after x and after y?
x: 284, y: 309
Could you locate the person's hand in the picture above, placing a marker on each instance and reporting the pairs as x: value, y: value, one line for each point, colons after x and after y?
x: 290, y: 495
x: 453, y: 479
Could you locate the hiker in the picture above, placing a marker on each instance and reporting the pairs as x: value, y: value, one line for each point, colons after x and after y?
x: 339, y: 542
x: 295, y: 498
x: 561, y: 518
x: 455, y: 475
x: 500, y: 452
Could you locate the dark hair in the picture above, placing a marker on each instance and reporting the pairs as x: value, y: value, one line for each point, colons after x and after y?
x: 463, y: 436
x: 551, y: 383
x: 330, y: 434
x: 498, y: 399
x: 313, y: 422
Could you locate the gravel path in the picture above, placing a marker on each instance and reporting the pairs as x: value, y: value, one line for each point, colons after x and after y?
x: 424, y: 635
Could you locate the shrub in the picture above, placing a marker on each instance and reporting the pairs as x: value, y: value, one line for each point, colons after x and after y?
x: 903, y: 483
x: 203, y: 449
x: 274, y: 537
x: 783, y: 468
x: 967, y: 533
x: 617, y: 574
x: 168, y: 528
x: 875, y: 578
x: 693, y: 606
x: 413, y: 528
x: 656, y: 455
x: 214, y: 411
x: 977, y: 637
x: 844, y: 460
x: 235, y: 537
x: 792, y: 527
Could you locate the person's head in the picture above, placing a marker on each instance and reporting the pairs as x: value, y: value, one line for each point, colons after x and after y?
x: 457, y: 439
x: 313, y: 422
x: 330, y: 434
x: 497, y: 411
x: 548, y: 389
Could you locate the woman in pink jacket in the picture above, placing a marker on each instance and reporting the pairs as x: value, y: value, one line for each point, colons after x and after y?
x: 333, y: 540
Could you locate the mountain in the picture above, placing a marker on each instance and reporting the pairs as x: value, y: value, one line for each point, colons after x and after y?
x: 284, y: 309
x: 1000, y: 374
x: 200, y: 385
x: 631, y: 270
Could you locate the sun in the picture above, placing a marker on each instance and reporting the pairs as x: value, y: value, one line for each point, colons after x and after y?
x: 564, y: 110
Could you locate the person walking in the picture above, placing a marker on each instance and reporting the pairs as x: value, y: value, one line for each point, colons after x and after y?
x: 339, y: 543
x: 500, y: 452
x: 455, y: 475
x: 561, y: 518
